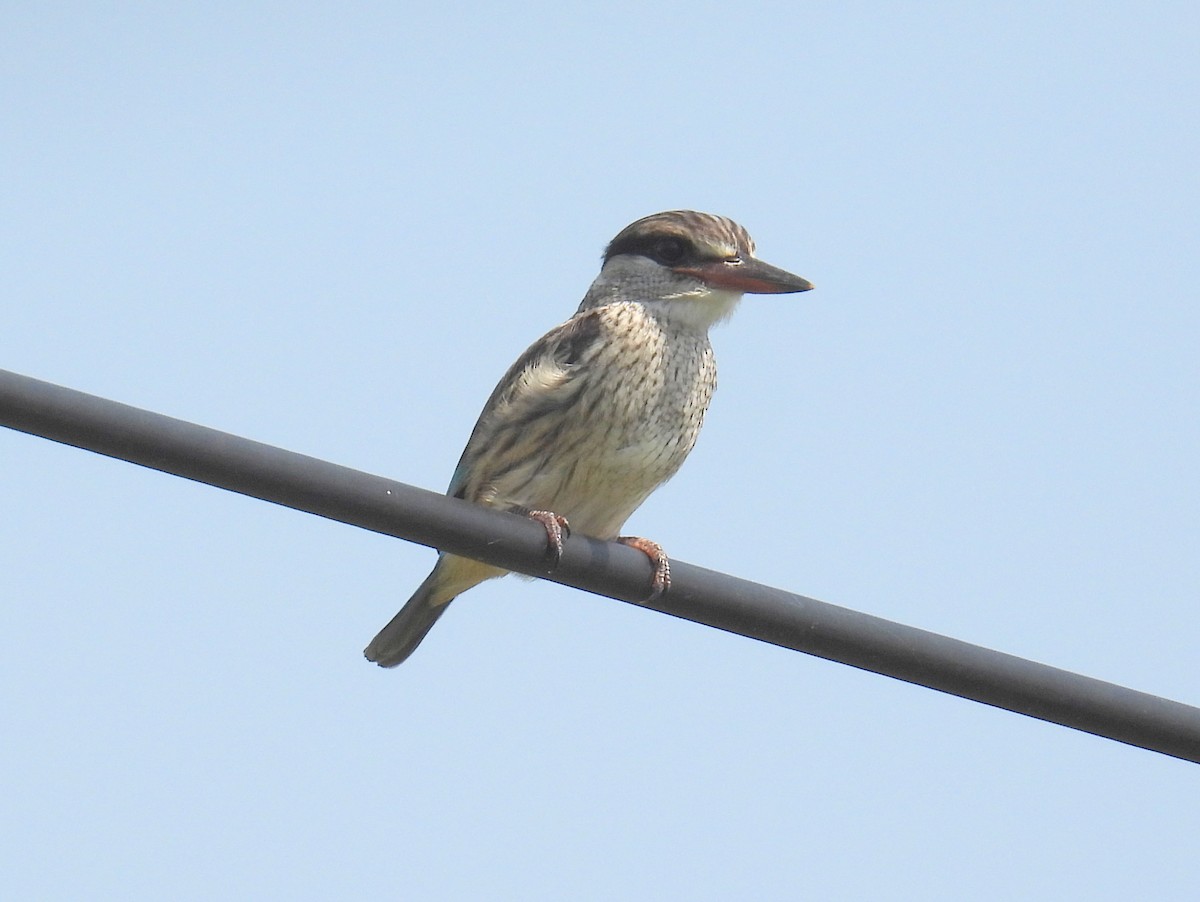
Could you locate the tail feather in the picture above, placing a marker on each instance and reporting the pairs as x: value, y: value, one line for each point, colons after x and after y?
x: 451, y: 576
x: 404, y: 632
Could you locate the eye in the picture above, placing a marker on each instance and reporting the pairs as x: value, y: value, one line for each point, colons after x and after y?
x: 669, y: 251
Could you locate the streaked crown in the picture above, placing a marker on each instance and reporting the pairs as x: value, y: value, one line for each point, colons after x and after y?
x: 671, y: 237
x: 693, y: 268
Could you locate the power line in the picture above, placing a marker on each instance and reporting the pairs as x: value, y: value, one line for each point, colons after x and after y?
x: 516, y: 543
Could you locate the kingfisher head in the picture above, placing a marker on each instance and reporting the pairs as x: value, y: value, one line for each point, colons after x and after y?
x: 689, y: 266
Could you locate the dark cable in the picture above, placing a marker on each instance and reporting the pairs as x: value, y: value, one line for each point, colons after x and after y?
x: 516, y: 543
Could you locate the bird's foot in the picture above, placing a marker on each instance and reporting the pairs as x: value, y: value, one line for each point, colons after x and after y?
x: 658, y: 559
x: 557, y: 528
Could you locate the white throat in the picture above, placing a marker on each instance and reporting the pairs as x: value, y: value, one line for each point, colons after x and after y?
x: 669, y: 296
x: 697, y: 310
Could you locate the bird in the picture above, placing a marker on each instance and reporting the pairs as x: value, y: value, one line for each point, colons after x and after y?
x: 603, y: 409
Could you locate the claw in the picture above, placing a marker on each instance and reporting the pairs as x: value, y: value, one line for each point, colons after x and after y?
x: 557, y: 528
x: 658, y: 559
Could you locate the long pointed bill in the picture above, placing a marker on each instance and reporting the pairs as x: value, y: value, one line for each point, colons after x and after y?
x: 749, y: 275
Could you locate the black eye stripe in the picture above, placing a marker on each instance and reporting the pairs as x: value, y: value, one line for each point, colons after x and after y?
x: 668, y: 251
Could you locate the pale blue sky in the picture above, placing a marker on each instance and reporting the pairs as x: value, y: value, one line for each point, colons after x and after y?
x: 332, y: 228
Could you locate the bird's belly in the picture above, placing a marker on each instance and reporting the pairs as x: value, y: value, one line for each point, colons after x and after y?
x: 632, y: 421
x: 596, y: 487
